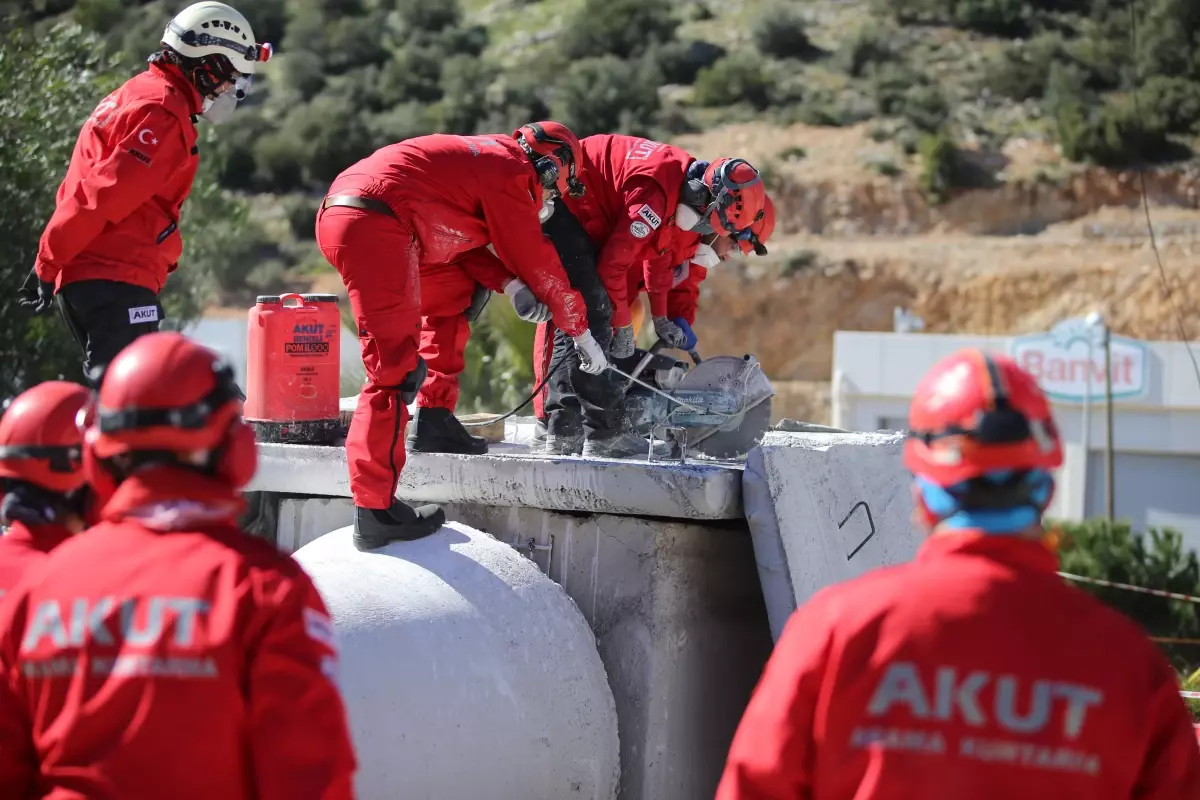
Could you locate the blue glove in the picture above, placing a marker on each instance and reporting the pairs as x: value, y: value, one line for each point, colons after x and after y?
x: 689, y: 337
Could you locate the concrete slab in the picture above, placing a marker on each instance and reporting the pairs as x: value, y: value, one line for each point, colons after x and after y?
x: 513, y: 476
x: 823, y: 508
x: 465, y: 671
x: 676, y: 610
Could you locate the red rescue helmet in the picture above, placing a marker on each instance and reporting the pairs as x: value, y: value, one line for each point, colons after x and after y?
x: 39, y: 440
x: 737, y: 197
x: 977, y: 413
x: 166, y: 394
x: 754, y: 239
x: 555, y: 152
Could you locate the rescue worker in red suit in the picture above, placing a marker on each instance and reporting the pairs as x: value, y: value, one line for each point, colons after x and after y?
x: 43, y: 494
x: 692, y: 263
x: 114, y: 235
x: 408, y: 229
x: 647, y: 200
x: 974, y: 671
x: 165, y: 652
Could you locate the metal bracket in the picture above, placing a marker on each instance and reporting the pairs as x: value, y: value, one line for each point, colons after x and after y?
x: 531, y: 546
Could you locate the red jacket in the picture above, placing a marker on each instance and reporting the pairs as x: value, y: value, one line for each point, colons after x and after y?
x: 633, y: 187
x: 684, y: 294
x: 462, y: 193
x: 117, y: 214
x: 22, y: 547
x: 971, y: 672
x: 187, y: 660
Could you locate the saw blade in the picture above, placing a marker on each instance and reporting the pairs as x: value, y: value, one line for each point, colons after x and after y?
x: 743, y: 381
x: 741, y: 440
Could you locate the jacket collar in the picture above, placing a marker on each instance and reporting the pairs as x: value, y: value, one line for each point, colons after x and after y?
x: 42, y: 538
x: 173, y: 498
x: 1015, y: 551
x: 171, y: 74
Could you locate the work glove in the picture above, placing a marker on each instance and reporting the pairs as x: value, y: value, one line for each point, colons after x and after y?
x: 622, y: 343
x: 525, y: 302
x: 669, y: 333
x: 591, y: 357
x: 36, y: 293
x: 689, y: 338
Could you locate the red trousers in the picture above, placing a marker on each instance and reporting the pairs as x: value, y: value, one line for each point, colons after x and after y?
x: 445, y: 294
x: 401, y: 308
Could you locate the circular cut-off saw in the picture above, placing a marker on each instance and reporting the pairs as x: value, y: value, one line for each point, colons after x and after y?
x: 721, y: 407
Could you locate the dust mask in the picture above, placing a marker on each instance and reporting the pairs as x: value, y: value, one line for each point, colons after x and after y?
x: 705, y: 257
x: 686, y: 217
x: 218, y: 110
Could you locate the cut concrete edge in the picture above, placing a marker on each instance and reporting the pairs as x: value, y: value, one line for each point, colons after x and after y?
x: 823, y: 508
x: 773, y: 575
x: 639, y: 488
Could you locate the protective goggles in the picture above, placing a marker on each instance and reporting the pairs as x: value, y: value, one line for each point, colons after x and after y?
x: 59, y: 459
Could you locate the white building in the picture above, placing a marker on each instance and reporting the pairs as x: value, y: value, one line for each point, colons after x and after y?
x: 1156, y: 413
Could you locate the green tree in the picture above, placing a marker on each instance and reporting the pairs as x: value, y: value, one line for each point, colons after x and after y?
x: 1155, y: 559
x: 48, y: 87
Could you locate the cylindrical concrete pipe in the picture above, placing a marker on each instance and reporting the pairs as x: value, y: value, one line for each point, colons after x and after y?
x: 467, y: 673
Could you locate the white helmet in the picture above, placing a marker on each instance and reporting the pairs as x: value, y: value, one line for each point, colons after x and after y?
x: 210, y: 29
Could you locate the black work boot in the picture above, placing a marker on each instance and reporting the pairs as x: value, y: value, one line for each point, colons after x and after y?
x: 437, y: 430
x: 376, y: 527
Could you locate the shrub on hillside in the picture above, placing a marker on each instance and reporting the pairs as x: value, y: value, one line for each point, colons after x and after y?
x: 604, y: 95
x: 780, y: 31
x: 464, y: 94
x: 925, y: 107
x: 620, y: 28
x: 939, y: 164
x: 1174, y: 100
x: 995, y: 17
x: 869, y: 47
x: 680, y: 62
x: 737, y: 77
x: 1113, y: 135
x: 1021, y: 72
x: 426, y: 16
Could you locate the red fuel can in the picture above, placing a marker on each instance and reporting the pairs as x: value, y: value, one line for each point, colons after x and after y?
x: 293, y: 368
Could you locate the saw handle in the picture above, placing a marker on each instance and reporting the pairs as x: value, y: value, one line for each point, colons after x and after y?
x: 694, y: 356
x: 641, y: 365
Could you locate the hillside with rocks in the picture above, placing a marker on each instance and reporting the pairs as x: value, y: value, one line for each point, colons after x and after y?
x: 979, y: 162
x: 1014, y: 258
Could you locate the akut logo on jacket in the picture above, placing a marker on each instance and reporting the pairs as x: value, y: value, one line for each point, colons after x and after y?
x: 148, y: 636
x: 1007, y: 711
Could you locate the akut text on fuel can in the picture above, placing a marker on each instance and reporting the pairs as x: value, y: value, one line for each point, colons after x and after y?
x: 293, y: 368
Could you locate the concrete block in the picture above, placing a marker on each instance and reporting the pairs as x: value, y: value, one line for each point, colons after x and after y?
x: 466, y: 672
x: 823, y: 508
x: 511, y: 476
x: 677, y: 612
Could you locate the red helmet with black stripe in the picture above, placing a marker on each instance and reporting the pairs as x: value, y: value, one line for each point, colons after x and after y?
x: 738, y: 197
x: 754, y: 239
x: 165, y: 394
x: 979, y: 413
x: 556, y: 153
x: 39, y: 440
